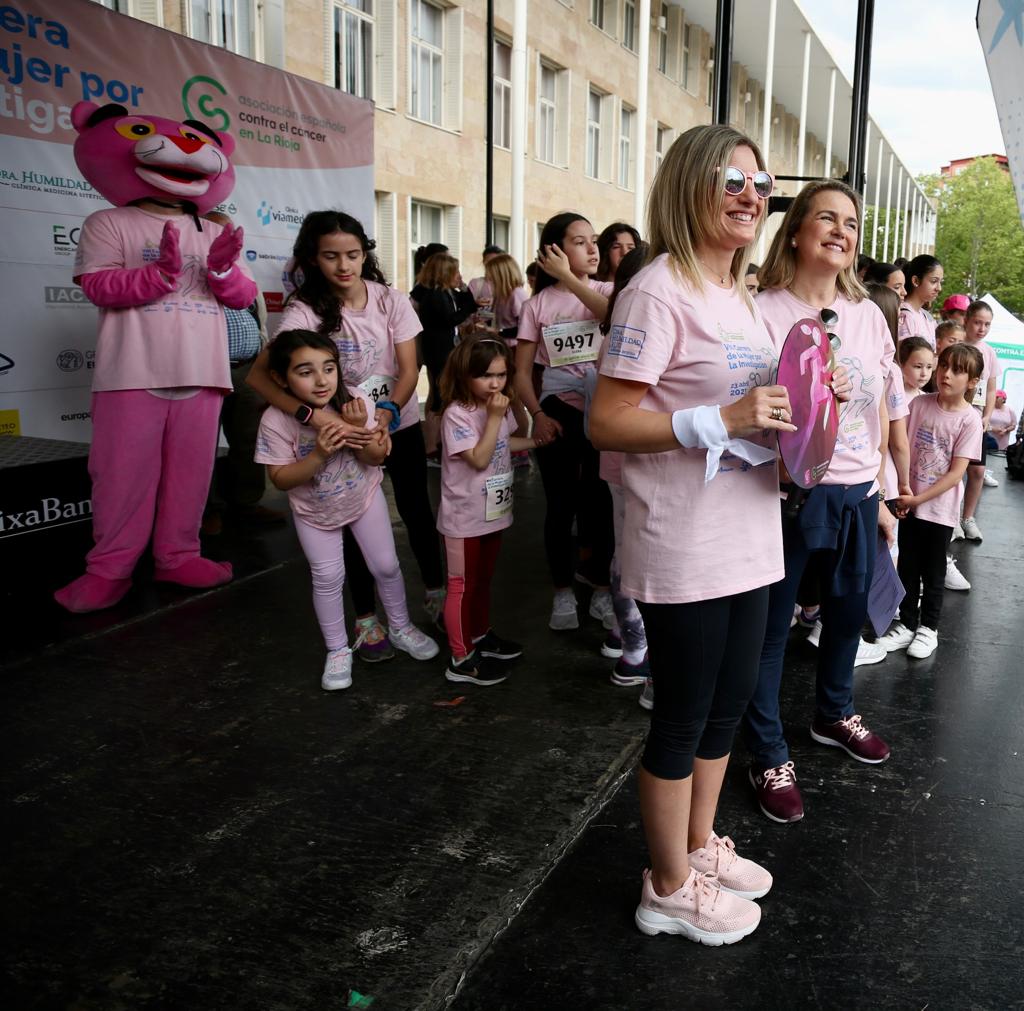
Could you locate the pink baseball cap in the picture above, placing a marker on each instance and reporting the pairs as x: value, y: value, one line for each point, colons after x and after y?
x: 1001, y: 393
x: 956, y: 303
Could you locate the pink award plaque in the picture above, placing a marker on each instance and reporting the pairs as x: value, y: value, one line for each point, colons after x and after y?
x: 805, y: 369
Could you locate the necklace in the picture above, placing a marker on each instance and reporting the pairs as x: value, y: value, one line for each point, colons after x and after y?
x: 723, y: 281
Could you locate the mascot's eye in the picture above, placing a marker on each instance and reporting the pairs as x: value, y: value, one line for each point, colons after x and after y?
x: 135, y: 129
x: 193, y: 135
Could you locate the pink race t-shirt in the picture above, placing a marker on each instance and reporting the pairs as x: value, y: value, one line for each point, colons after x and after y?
x: 342, y: 488
x: 549, y: 308
x: 684, y: 539
x: 366, y: 342
x: 1003, y: 417
x: 916, y: 323
x: 178, y: 340
x: 898, y: 407
x: 989, y: 371
x: 508, y: 313
x: 468, y: 495
x: 936, y: 437
x: 867, y: 353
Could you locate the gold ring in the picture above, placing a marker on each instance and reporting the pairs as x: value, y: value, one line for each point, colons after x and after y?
x: 776, y: 414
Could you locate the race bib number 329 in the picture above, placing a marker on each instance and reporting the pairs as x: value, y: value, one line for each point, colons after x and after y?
x: 572, y: 343
x: 499, y: 497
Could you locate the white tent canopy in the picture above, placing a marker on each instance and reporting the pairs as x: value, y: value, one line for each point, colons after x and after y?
x: 1007, y: 340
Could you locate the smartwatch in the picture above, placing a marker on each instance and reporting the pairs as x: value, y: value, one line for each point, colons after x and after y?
x: 303, y: 414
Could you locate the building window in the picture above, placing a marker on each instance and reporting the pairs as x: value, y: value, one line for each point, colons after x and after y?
x: 547, y: 113
x: 502, y: 95
x: 426, y: 225
x: 662, y: 142
x: 593, y: 163
x: 597, y: 14
x: 229, y: 24
x: 629, y: 24
x: 500, y: 231
x: 711, y: 76
x: 426, y: 62
x: 353, y: 47
x: 661, y: 45
x: 626, y: 118
x: 384, y: 232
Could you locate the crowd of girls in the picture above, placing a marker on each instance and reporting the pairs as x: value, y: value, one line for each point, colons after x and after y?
x: 620, y: 374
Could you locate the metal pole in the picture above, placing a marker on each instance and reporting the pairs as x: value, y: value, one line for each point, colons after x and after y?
x: 888, y: 204
x: 517, y: 112
x: 864, y: 201
x: 801, y: 144
x: 831, y: 122
x: 861, y: 80
x: 878, y: 191
x: 906, y: 215
x: 723, y: 61
x: 643, y: 72
x: 769, y: 79
x: 489, y: 169
x: 896, y: 220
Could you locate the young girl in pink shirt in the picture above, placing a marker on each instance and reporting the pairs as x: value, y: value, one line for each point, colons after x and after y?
x: 476, y: 499
x: 924, y: 282
x: 333, y: 479
x: 917, y: 363
x: 945, y: 435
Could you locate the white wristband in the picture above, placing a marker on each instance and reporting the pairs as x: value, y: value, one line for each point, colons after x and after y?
x: 703, y: 428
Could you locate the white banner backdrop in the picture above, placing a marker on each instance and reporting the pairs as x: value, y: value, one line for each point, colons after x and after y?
x: 300, y: 146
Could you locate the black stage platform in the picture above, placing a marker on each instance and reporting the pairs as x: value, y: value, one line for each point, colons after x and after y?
x: 192, y: 824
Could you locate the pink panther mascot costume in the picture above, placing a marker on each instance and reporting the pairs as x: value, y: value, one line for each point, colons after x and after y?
x: 159, y: 275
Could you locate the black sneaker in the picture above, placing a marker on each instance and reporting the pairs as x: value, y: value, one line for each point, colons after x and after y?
x: 473, y: 671
x: 627, y: 674
x: 497, y: 648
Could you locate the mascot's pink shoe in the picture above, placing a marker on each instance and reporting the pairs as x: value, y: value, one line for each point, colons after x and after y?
x: 198, y: 573
x: 91, y: 593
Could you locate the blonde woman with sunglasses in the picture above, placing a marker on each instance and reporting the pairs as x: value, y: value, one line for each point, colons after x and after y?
x: 685, y: 390
x: 810, y: 272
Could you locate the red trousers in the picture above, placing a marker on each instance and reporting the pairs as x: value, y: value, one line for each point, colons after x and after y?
x: 467, y: 609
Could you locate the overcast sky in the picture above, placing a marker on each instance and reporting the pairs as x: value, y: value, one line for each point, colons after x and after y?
x: 930, y: 90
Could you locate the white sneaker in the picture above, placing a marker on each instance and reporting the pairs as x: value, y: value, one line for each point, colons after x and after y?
x: 337, y: 670
x: 955, y: 579
x: 991, y: 481
x: 647, y: 695
x: 971, y: 531
x: 814, y: 636
x: 411, y: 640
x: 958, y: 532
x: 563, y: 611
x: 869, y: 652
x: 601, y: 607
x: 924, y: 644
x: 898, y: 637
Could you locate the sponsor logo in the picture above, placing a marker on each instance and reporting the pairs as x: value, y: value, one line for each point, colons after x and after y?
x: 250, y: 255
x: 274, y: 301
x: 51, y: 512
x: 65, y: 239
x: 203, y: 91
x: 57, y: 295
x: 71, y: 360
x: 626, y: 341
x: 77, y: 416
x: 6, y: 364
x: 267, y: 213
x: 10, y: 422
x: 43, y: 182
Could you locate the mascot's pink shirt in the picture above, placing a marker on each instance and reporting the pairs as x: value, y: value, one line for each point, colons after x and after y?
x: 684, y: 539
x: 180, y: 338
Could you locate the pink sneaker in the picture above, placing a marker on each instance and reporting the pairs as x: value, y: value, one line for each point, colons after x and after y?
x: 699, y: 910
x: 735, y: 874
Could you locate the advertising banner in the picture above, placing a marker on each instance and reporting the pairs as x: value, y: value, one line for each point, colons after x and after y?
x: 300, y: 146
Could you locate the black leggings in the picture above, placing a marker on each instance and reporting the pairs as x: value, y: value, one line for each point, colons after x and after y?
x: 407, y: 467
x: 573, y: 489
x: 704, y: 661
x: 922, y: 568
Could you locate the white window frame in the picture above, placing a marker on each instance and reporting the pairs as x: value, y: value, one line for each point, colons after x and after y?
x: 450, y: 234
x: 343, y: 11
x: 553, y: 112
x: 502, y: 103
x: 592, y: 159
x: 215, y: 33
x: 661, y: 40
x: 385, y: 229
x: 418, y: 45
x: 709, y: 68
x: 626, y: 141
x: 629, y: 25
x: 663, y: 138
x: 502, y: 230
x: 599, y: 14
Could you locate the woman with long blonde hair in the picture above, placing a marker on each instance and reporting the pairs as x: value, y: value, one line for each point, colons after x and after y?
x: 810, y: 273
x: 685, y: 390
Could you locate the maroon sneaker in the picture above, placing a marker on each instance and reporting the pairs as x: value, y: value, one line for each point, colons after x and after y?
x: 853, y: 737
x: 778, y: 796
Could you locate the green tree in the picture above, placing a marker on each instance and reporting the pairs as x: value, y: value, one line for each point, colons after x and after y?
x: 979, y: 237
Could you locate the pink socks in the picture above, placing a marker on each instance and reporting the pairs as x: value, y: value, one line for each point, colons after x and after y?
x: 91, y: 593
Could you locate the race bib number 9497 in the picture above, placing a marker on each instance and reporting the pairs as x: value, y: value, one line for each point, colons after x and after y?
x: 572, y: 343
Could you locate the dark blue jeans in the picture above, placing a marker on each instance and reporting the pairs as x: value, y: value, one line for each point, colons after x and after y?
x: 842, y: 619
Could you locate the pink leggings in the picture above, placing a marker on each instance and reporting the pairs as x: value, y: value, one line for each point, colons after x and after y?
x: 150, y: 464
x: 325, y: 554
x: 467, y: 608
